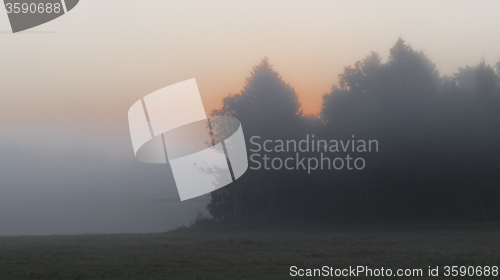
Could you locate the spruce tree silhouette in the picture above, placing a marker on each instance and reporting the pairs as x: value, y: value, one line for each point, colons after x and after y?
x: 267, y: 107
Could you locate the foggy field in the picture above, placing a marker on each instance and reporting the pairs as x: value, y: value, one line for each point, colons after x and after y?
x: 247, y: 253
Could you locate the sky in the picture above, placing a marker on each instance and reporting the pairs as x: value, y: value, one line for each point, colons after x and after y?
x: 66, y: 87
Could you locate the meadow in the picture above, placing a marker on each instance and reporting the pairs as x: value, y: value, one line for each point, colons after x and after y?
x: 250, y: 252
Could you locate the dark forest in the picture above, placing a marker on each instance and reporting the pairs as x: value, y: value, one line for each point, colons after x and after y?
x: 438, y: 157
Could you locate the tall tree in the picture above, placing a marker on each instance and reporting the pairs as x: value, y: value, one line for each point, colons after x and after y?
x: 267, y: 107
x: 486, y: 80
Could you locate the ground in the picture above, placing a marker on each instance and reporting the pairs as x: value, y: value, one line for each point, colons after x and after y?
x: 264, y: 252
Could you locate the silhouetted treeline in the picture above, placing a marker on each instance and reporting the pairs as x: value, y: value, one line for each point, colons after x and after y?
x: 438, y: 158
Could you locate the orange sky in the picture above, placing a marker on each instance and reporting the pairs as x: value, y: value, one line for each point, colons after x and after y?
x: 96, y: 61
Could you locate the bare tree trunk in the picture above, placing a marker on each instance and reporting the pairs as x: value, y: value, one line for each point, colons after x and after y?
x: 368, y: 202
x: 236, y: 214
x: 272, y: 201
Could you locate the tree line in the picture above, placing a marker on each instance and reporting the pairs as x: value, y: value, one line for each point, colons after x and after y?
x: 439, y: 136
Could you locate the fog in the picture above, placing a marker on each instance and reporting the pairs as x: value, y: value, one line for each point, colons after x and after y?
x: 66, y: 161
x: 69, y: 179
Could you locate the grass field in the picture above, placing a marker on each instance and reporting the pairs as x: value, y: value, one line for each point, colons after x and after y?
x: 249, y: 253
